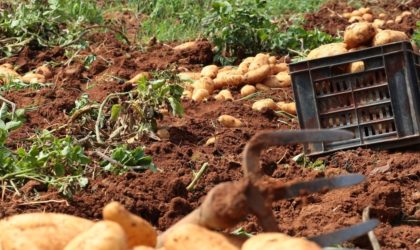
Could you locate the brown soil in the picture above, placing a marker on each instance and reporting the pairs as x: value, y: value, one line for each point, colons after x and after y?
x: 328, y: 18
x: 391, y: 189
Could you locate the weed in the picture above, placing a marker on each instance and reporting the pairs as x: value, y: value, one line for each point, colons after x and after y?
x: 11, y: 120
x: 124, y: 160
x: 17, y: 84
x: 318, y: 164
x: 242, y: 232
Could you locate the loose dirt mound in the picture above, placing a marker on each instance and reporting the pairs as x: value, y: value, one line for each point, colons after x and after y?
x: 328, y: 18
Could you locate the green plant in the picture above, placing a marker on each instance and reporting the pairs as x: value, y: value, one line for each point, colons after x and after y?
x: 11, y: 120
x: 416, y: 36
x: 318, y: 164
x: 17, y: 84
x: 125, y: 160
x: 49, y: 160
x: 45, y: 23
x: 137, y: 111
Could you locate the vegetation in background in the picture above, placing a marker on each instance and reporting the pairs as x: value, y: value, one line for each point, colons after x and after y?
x: 125, y: 160
x: 45, y: 23
x: 416, y: 36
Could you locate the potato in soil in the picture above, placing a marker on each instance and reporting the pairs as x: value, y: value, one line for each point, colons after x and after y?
x: 278, y: 241
x: 229, y: 121
x: 248, y: 90
x: 224, y: 95
x: 265, y: 104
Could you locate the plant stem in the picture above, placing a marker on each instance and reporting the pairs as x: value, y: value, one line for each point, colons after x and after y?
x: 197, y: 176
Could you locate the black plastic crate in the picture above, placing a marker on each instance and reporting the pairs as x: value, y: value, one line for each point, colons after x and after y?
x: 380, y: 105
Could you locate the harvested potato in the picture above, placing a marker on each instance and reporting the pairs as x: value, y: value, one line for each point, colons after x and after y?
x: 187, y: 94
x: 7, y: 74
x: 229, y: 121
x: 35, y: 227
x: 358, y: 34
x: 204, y: 83
x: 138, y: 231
x: 287, y: 107
x: 378, y: 23
x: 211, y: 141
x: 209, y: 71
x: 7, y: 66
x: 33, y: 78
x: 224, y: 95
x: 367, y: 17
x: 200, y: 95
x: 260, y: 60
x: 357, y: 48
x: 330, y: 49
x: 365, y: 10
x: 225, y: 68
x: 272, y: 60
x: 248, y: 90
x: 382, y: 15
x: 191, y: 76
x: 281, y: 80
x: 104, y: 235
x: 257, y: 75
x: 279, y: 67
x: 139, y: 76
x: 278, y: 241
x: 163, y: 133
x: 356, y: 13
x: 145, y: 248
x: 389, y: 36
x: 355, y: 67
x: 390, y: 22
x: 346, y: 15
x: 406, y: 13
x: 262, y: 87
x: 264, y: 104
x: 193, y: 237
x: 244, y: 65
x: 355, y: 19
x: 185, y: 46
x: 398, y: 19
x: 44, y: 70
x: 227, y: 80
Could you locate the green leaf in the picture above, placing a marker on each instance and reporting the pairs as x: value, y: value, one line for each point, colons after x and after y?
x: 3, y: 111
x: 13, y: 125
x: 115, y: 112
x: 176, y: 107
x: 59, y: 169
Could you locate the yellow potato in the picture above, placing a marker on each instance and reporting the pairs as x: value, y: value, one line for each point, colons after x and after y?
x: 367, y: 17
x: 382, y: 15
x: 272, y: 60
x: 346, y: 15
x: 104, y: 235
x: 7, y: 74
x: 330, y: 49
x: 7, y: 66
x: 204, y: 83
x: 163, y: 134
x: 406, y: 13
x: 358, y: 34
x: 357, y: 48
x: 187, y: 94
x: 281, y: 80
x: 211, y: 141
x: 399, y: 19
x: 355, y: 67
x: 264, y: 104
x: 356, y: 13
x: 193, y: 237
x: 355, y: 19
x: 229, y: 121
x: 262, y: 87
x: 258, y: 75
x: 279, y: 67
x: 364, y: 10
x: 227, y: 80
x: 139, y: 76
x: 378, y: 23
x: 244, y: 65
x: 35, y: 228
x: 189, y: 76
x: 145, y: 248
x: 44, y: 70
x: 248, y: 90
x: 224, y: 95
x: 278, y: 241
x: 185, y: 46
x: 225, y: 68
x: 288, y: 107
x: 389, y: 36
x: 260, y: 60
x: 390, y: 22
x: 138, y: 230
x: 209, y: 71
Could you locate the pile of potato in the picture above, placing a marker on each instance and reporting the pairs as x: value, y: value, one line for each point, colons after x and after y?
x: 262, y: 72
x: 39, y: 75
x: 365, y: 14
x: 122, y: 230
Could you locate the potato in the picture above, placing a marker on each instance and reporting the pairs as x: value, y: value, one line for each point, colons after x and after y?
x: 264, y: 104
x: 272, y: 60
x: 287, y: 107
x: 145, y: 248
x: 200, y: 94
x: 398, y: 19
x: 248, y: 90
x: 138, y: 231
x: 224, y: 95
x: 355, y: 67
x: 364, y: 10
x: 406, y: 13
x: 330, y: 49
x: 358, y: 34
x: 139, y: 76
x: 257, y: 75
x: 7, y: 74
x: 346, y: 15
x: 281, y: 80
x: 204, y: 83
x: 389, y: 36
x: 260, y: 60
x: 367, y: 17
x: 278, y: 241
x: 163, y: 133
x: 279, y: 67
x: 378, y: 23
x: 7, y: 66
x: 356, y: 13
x: 209, y: 71
x: 191, y: 76
x: 44, y: 70
x: 357, y: 48
x: 390, y: 22
x: 262, y: 87
x: 37, y: 227
x: 104, y: 235
x: 211, y: 141
x: 227, y: 80
x: 193, y: 237
x: 225, y: 68
x: 185, y: 46
x: 382, y: 15
x: 229, y: 121
x: 355, y: 19
x: 244, y: 65
x: 187, y: 94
